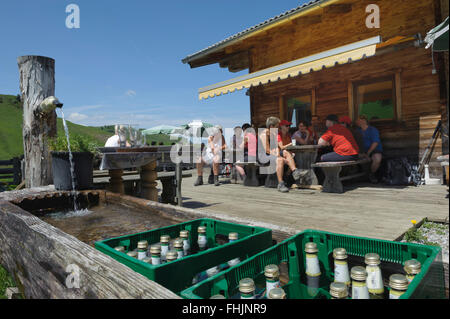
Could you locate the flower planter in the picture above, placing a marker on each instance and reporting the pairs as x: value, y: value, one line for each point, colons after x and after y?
x: 83, y: 170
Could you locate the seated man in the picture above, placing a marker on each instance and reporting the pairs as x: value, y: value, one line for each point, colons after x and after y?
x: 347, y: 122
x: 213, y: 155
x: 342, y: 141
x: 274, y: 153
x: 304, y: 136
x: 372, y: 145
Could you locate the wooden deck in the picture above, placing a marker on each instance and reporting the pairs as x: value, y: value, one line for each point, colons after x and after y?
x: 366, y: 210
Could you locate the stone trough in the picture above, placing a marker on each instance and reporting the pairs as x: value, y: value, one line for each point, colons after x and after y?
x: 52, y: 256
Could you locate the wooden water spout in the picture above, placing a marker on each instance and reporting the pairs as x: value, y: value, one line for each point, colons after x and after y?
x: 37, y: 82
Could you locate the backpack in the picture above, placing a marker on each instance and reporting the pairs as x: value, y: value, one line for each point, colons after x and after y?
x: 400, y: 172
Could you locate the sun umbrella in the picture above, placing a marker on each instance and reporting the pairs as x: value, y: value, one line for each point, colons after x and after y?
x: 438, y: 37
x: 160, y: 129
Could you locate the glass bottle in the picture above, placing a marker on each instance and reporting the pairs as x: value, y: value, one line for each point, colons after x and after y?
x: 338, y: 290
x: 412, y: 267
x: 359, y: 285
x: 398, y: 285
x: 277, y: 293
x: 178, y: 245
x: 247, y: 288
x: 147, y: 260
x: 212, y: 271
x: 312, y: 268
x: 233, y: 236
x: 340, y: 266
x: 142, y: 249
x: 155, y: 252
x: 164, y: 240
x: 272, y: 274
x: 374, y: 277
x: 219, y: 296
x: 120, y: 249
x: 202, y: 241
x: 184, y: 235
x: 171, y: 255
x: 132, y: 254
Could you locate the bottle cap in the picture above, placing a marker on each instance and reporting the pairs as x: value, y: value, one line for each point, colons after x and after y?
x: 120, y: 248
x: 358, y: 273
x: 171, y: 255
x: 218, y: 297
x: 311, y: 248
x: 143, y: 244
x: 212, y: 271
x: 338, y: 290
x: 184, y: 234
x: 372, y: 259
x: 412, y: 266
x: 398, y: 282
x: 164, y: 239
x: 272, y: 271
x: 246, y: 285
x: 233, y: 236
x: 339, y: 253
x: 132, y: 254
x: 147, y: 260
x: 178, y: 243
x: 155, y: 250
x: 277, y: 293
x: 201, y: 229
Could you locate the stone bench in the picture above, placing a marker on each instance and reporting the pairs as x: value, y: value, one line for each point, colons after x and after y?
x: 331, y: 170
x: 251, y: 173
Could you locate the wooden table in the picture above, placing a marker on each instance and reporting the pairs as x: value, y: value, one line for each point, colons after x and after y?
x: 305, y: 156
x: 116, y: 162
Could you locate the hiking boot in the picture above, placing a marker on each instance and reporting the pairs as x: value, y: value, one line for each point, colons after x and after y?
x: 211, y: 179
x: 199, y: 181
x: 282, y: 187
x: 216, y: 181
x: 299, y: 173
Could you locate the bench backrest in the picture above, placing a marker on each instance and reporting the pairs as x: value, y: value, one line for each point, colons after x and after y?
x: 11, y: 170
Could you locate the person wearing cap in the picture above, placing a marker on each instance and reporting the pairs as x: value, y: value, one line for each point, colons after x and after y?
x: 273, y: 123
x: 341, y: 139
x: 347, y: 122
x: 304, y: 136
x: 212, y: 156
x: 372, y: 145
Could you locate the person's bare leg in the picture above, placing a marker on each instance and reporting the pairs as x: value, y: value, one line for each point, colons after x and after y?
x: 289, y: 160
x: 200, y: 168
x: 376, y: 162
x: 240, y: 170
x: 280, y: 169
x: 216, y: 171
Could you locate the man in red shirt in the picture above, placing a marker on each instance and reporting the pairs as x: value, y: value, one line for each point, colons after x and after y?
x: 341, y: 139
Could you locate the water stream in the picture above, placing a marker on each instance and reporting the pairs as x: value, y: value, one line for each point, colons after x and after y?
x: 72, y: 168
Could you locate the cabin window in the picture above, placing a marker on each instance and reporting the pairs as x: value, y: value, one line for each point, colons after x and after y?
x: 299, y: 109
x: 375, y: 99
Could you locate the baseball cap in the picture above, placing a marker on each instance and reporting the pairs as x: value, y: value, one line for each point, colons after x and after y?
x: 332, y: 117
x: 345, y: 119
x: 284, y: 122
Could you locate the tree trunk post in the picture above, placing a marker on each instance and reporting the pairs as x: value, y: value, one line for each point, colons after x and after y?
x: 37, y: 82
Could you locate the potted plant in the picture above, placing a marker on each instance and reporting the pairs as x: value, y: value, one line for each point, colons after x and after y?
x: 83, y: 149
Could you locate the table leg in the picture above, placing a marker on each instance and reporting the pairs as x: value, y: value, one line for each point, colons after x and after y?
x: 148, y: 182
x: 116, y: 181
x: 304, y: 160
x: 332, y: 182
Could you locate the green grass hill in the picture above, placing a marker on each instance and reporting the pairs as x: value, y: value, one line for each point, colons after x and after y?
x: 11, y: 143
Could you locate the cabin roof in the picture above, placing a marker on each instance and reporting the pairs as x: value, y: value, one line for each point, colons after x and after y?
x: 278, y: 18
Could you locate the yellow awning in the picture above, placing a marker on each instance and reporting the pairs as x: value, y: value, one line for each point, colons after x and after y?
x: 341, y: 55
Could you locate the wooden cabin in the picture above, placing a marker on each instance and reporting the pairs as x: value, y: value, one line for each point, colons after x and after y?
x: 322, y: 58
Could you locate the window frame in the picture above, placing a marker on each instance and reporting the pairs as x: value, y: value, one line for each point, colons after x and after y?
x: 396, y: 95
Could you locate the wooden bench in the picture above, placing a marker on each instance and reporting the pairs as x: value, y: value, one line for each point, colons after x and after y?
x: 331, y: 170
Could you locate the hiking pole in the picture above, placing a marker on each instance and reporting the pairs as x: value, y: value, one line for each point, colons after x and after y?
x: 427, y: 150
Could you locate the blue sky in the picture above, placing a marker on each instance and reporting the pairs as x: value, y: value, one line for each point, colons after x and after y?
x: 123, y: 65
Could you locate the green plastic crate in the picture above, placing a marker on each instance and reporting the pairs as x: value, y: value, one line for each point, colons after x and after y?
x: 178, y: 275
x: 290, y: 256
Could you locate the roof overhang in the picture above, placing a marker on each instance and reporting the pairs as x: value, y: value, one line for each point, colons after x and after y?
x: 326, y: 59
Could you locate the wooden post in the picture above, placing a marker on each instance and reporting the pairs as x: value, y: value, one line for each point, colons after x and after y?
x: 37, y: 82
x: 148, y: 181
x: 116, y: 181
